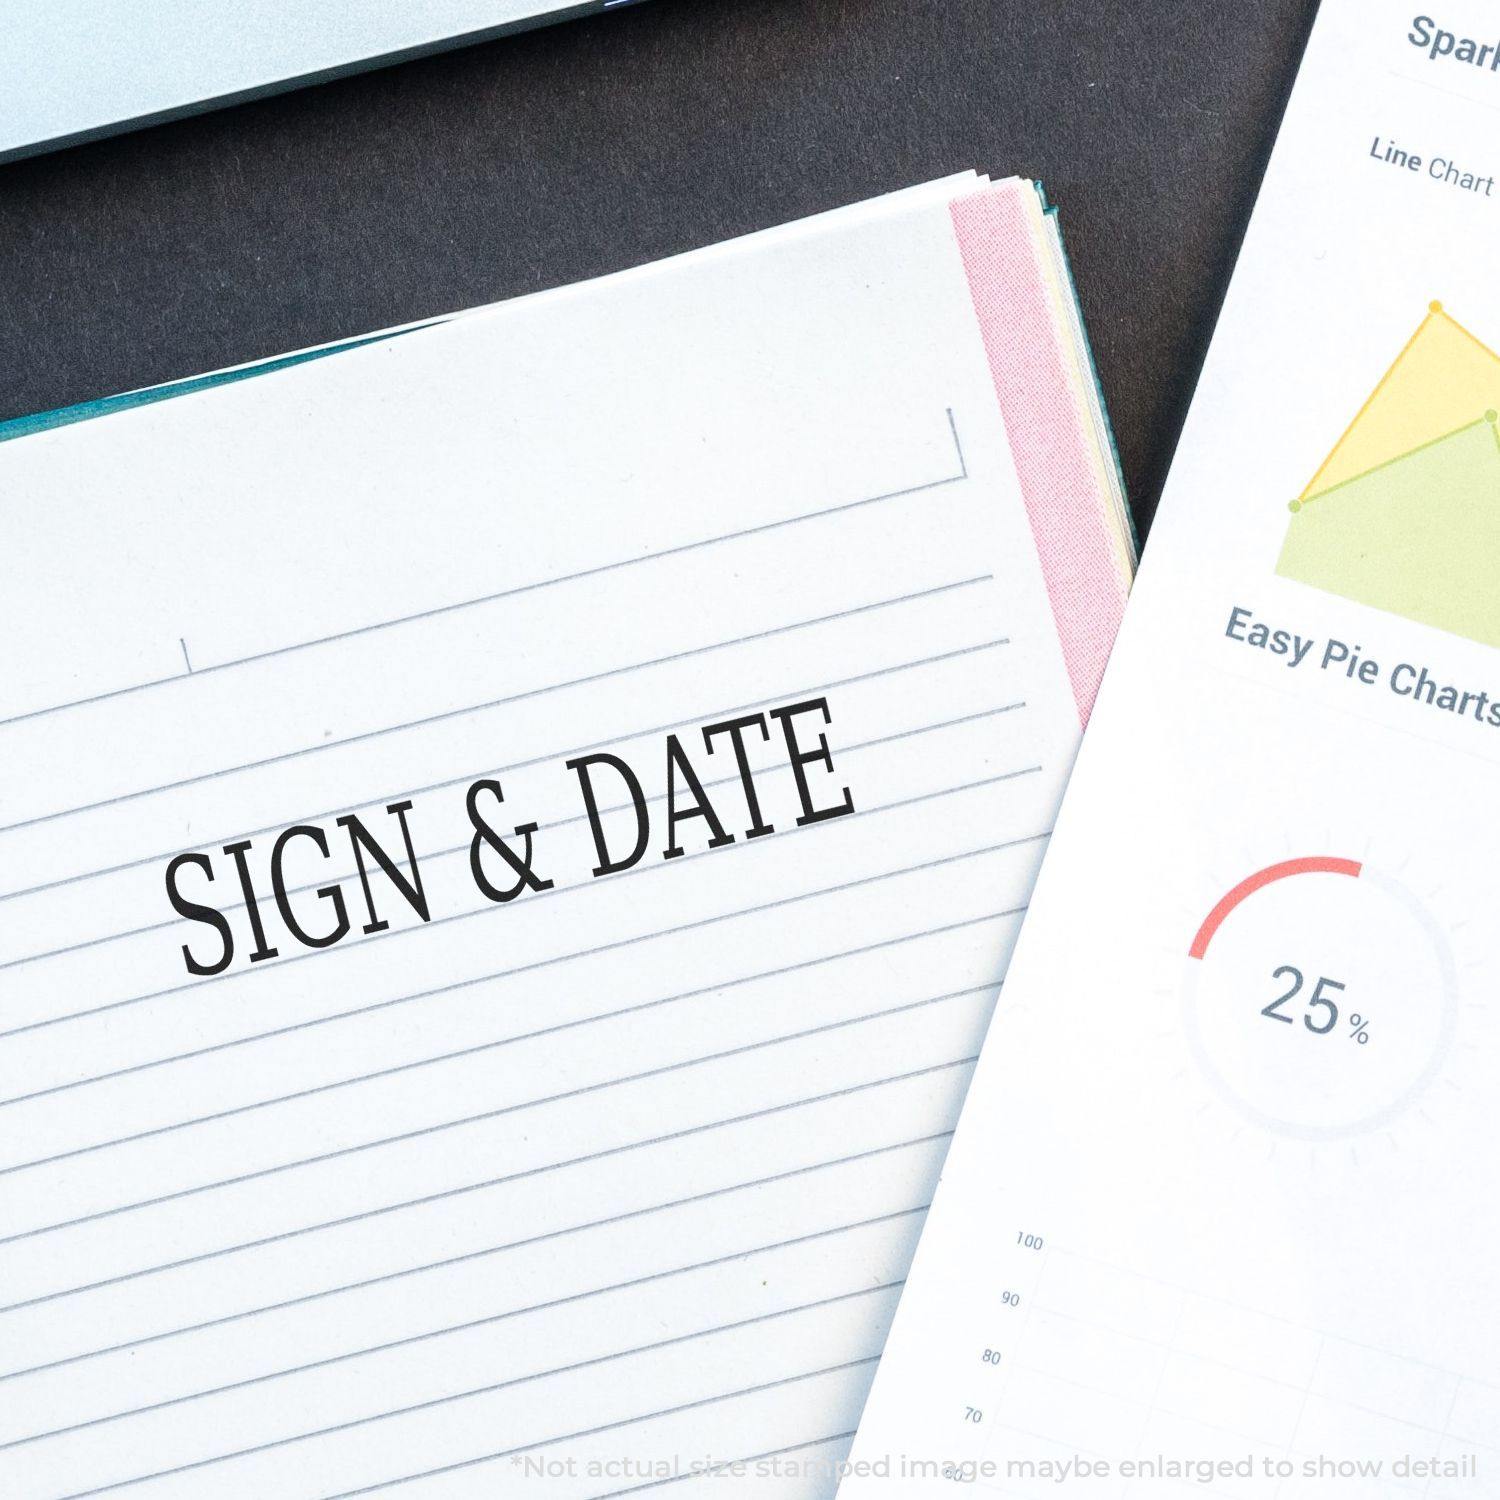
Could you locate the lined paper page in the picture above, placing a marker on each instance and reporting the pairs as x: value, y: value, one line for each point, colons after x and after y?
x: 548, y: 1195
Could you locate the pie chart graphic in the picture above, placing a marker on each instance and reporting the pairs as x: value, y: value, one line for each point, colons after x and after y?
x: 1320, y: 998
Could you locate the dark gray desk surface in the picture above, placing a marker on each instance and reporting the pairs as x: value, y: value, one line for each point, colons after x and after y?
x: 597, y: 144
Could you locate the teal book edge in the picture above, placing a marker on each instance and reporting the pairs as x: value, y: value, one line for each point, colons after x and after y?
x: 64, y: 416
x: 85, y: 411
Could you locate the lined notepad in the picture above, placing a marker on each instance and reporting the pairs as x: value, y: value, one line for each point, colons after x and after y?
x: 613, y: 1183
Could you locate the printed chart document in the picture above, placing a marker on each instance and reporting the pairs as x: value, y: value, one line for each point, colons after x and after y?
x: 509, y: 841
x: 1222, y: 1213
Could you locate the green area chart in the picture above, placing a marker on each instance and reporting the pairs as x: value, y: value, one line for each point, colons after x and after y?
x: 1404, y: 514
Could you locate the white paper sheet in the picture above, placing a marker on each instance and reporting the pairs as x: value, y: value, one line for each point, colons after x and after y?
x: 625, y: 1172
x: 1221, y: 1214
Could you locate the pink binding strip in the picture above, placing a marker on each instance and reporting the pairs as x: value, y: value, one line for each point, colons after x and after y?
x: 1048, y: 430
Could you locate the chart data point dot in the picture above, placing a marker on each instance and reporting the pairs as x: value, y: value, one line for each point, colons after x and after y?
x: 1492, y: 416
x: 1436, y: 307
x: 1295, y: 506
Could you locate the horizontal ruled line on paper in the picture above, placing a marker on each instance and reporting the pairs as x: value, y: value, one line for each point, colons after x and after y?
x: 521, y: 765
x: 448, y: 1400
x: 500, y: 1112
x: 569, y: 1437
x: 435, y: 854
x: 575, y: 1297
x: 474, y: 1255
x: 474, y: 1187
x: 511, y: 593
x: 524, y: 1036
x: 509, y: 699
x: 408, y: 1067
x: 771, y: 841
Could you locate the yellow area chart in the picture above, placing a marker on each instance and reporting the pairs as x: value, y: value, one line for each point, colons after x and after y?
x: 1404, y: 513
